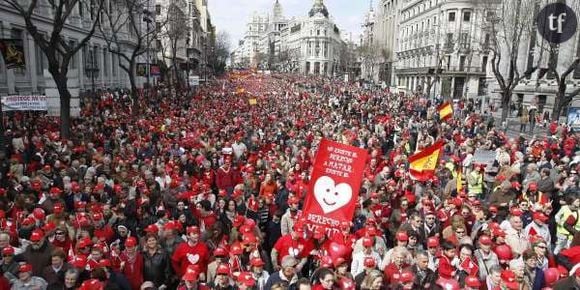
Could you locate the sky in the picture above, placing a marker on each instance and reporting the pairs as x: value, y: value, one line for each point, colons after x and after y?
x: 232, y: 15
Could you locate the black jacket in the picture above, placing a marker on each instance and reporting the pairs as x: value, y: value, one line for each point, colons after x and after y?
x: 156, y: 267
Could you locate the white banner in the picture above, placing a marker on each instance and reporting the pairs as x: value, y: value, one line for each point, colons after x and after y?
x: 24, y: 103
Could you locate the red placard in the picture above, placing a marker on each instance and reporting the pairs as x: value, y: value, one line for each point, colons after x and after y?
x: 334, y: 184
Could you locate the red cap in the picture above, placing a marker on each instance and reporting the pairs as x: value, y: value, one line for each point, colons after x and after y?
x: 92, y: 284
x: 504, y: 252
x: 38, y: 214
x: 247, y: 279
x: 36, y: 235
x: 257, y: 262
x: 25, y: 268
x: 367, y: 242
x: 98, y: 216
x: 236, y: 248
x: 79, y: 261
x: 223, y: 269
x: 58, y: 208
x: 85, y: 242
x: 27, y: 221
x: 532, y: 186
x: 152, y: 229
x: 432, y: 242
x: 485, y: 240
x: 8, y: 251
x: 193, y: 230
x: 130, y: 242
x: 402, y: 237
x: 191, y: 273
x: 516, y: 185
x: 406, y: 277
x: 370, y: 262
x: 473, y: 282
x: 516, y: 212
x: 55, y: 190
x: 220, y: 252
x: 540, y: 216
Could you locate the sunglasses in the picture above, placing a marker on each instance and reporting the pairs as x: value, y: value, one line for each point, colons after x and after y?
x: 59, y: 233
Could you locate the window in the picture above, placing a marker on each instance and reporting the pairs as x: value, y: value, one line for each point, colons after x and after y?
x: 462, y: 62
x: 451, y: 16
x: 73, y: 64
x: 466, y: 16
x: 158, y: 9
x: 17, y: 35
x: 484, y: 64
x: 105, y: 63
x: 449, y: 41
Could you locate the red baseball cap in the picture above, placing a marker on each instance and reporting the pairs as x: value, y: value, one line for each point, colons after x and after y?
x: 473, y: 282
x: 367, y: 242
x: 193, y: 230
x: 220, y: 252
x: 257, y: 262
x: 25, y: 268
x: 485, y: 240
x: 402, y: 237
x: 370, y: 262
x: 540, y: 216
x: 8, y: 251
x: 432, y: 242
x: 406, y: 277
x: 36, y: 235
x: 130, y: 242
x: 223, y: 269
x: 191, y: 273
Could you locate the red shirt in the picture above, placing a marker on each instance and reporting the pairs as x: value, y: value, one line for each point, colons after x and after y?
x: 185, y: 255
x: 299, y: 248
x: 392, y: 273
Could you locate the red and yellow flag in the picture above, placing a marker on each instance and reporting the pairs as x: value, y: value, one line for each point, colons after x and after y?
x: 422, y: 164
x: 445, y: 111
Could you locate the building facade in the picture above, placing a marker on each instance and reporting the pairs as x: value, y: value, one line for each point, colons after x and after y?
x: 441, y: 47
x: 93, y: 67
x: 310, y: 44
x: 540, y: 88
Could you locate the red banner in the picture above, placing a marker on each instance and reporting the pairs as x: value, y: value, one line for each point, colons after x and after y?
x: 335, y: 183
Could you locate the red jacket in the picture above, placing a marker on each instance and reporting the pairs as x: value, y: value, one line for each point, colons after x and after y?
x: 446, y: 270
x: 392, y: 273
x: 133, y: 270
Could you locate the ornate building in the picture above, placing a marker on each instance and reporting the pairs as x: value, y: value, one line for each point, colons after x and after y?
x: 313, y: 43
x: 440, y: 47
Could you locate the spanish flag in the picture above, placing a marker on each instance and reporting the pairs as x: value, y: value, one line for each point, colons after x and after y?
x: 445, y: 111
x: 422, y: 164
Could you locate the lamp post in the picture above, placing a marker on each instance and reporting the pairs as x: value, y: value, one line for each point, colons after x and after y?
x: 147, y: 20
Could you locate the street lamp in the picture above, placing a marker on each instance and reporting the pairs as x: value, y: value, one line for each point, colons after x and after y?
x: 147, y: 19
x: 91, y: 67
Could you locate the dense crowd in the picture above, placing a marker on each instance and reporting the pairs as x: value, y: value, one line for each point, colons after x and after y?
x: 204, y: 190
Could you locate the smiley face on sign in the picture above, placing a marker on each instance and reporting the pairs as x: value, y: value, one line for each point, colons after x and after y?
x: 331, y: 196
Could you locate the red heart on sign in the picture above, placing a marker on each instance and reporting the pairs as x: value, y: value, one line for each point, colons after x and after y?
x: 337, y: 250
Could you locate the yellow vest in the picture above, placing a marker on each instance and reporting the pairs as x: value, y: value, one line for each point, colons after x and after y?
x: 476, y: 188
x: 566, y: 212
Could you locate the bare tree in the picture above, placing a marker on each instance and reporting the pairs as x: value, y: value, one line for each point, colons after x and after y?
x: 174, y: 35
x: 562, y: 99
x: 370, y: 58
x: 58, y: 50
x: 510, y: 23
x: 220, y: 53
x: 123, y: 21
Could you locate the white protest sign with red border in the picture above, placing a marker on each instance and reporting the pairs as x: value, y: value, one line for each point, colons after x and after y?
x: 335, y: 183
